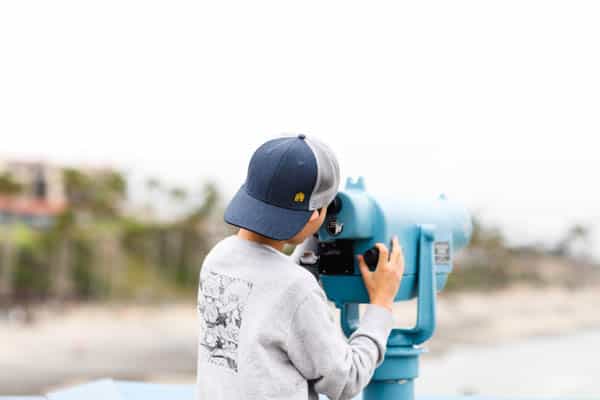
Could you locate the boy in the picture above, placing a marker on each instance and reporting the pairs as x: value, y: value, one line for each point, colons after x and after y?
x: 265, y: 329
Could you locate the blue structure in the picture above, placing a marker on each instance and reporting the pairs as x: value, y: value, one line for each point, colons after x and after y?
x: 430, y: 233
x: 107, y: 389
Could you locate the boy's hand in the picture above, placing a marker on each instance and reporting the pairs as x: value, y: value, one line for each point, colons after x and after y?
x: 383, y: 283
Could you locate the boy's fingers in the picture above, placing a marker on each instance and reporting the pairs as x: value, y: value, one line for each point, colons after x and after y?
x: 364, y: 269
x: 395, y: 255
x: 383, y: 255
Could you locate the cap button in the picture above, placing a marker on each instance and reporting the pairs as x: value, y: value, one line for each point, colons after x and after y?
x: 302, y: 136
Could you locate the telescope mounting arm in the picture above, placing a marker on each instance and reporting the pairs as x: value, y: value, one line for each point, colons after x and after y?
x: 425, y: 323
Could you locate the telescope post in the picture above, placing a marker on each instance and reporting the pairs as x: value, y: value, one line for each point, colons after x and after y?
x: 394, y: 378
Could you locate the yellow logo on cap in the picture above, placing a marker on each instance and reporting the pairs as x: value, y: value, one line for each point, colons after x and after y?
x: 299, y: 197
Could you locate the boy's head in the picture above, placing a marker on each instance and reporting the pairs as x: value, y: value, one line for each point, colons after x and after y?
x: 290, y: 183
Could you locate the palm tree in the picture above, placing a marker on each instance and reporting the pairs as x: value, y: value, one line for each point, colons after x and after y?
x: 576, y: 233
x: 178, y: 194
x: 9, y: 188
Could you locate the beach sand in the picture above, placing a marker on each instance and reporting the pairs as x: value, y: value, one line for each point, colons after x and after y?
x: 80, y: 342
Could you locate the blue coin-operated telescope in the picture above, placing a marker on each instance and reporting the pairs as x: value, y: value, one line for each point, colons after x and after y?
x: 430, y: 233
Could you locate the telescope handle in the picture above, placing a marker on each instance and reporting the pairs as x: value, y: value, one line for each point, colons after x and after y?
x: 425, y: 324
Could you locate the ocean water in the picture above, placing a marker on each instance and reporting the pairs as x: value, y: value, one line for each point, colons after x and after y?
x: 559, y: 366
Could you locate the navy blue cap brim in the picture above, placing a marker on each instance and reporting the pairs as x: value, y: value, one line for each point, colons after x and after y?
x: 244, y: 211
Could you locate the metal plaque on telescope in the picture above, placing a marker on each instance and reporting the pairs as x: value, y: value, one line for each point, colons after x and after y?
x: 441, y: 253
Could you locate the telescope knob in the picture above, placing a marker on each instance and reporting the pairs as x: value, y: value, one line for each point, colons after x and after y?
x: 371, y: 257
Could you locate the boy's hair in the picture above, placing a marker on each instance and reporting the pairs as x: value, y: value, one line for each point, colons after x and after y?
x: 288, y: 178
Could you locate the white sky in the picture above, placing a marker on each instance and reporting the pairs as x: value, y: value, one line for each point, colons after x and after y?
x: 496, y: 104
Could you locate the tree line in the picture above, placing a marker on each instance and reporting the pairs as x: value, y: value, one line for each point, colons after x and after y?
x: 96, y: 250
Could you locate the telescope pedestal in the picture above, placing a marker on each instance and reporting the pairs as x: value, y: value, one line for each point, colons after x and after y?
x: 394, y: 379
x: 389, y: 390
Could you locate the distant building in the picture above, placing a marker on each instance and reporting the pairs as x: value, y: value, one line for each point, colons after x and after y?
x: 42, y: 196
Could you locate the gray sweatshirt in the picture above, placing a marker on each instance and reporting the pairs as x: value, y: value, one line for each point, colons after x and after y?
x: 266, y: 331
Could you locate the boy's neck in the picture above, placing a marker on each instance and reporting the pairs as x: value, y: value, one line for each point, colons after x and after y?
x: 255, y: 237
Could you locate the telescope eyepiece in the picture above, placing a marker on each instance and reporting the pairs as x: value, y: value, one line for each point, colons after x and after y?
x: 335, y: 206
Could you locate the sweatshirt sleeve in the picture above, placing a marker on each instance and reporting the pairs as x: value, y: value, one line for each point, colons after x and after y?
x: 338, y: 367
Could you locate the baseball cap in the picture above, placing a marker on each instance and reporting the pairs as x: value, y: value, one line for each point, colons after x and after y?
x: 288, y: 178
